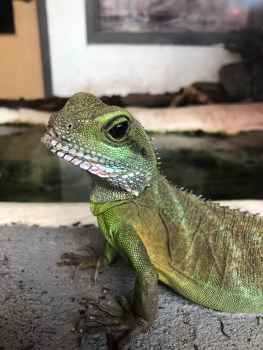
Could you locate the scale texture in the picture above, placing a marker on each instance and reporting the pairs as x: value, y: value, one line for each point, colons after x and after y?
x: 210, y: 254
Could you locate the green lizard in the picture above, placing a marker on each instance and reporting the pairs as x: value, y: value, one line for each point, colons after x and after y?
x: 209, y: 254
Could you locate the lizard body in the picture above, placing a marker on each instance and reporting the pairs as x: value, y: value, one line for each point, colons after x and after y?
x: 208, y: 253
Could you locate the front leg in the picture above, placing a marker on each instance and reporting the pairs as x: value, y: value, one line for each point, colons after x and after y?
x: 140, y: 316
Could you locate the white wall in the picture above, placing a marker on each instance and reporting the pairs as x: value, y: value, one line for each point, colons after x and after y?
x: 121, y: 69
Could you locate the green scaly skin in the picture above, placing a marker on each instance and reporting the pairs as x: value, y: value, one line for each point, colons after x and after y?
x: 209, y: 254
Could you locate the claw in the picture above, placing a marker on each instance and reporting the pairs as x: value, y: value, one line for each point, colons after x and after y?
x: 88, y: 249
x: 83, y: 262
x: 71, y: 259
x: 113, y: 321
x: 103, y: 320
x: 124, y: 303
x: 104, y: 307
x: 118, y: 328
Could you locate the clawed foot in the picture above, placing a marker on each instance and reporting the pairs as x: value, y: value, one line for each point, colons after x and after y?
x: 82, y: 261
x: 112, y: 321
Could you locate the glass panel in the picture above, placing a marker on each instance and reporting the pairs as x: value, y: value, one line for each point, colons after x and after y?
x: 173, y: 15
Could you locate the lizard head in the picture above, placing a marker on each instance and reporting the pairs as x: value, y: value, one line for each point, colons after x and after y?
x: 107, y: 141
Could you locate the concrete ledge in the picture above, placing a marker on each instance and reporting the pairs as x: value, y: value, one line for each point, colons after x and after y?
x: 78, y: 214
x: 230, y: 119
x: 23, y: 115
x: 40, y: 300
x: 46, y: 214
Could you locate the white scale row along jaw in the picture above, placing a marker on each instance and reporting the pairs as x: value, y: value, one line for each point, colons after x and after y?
x: 97, y: 164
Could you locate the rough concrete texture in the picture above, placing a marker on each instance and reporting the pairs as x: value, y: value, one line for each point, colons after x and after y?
x: 40, y: 300
x: 226, y: 118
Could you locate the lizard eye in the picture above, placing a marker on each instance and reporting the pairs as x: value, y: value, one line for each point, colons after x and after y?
x: 119, y: 131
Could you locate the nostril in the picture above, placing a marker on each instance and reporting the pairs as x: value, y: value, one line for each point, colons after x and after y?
x: 69, y: 125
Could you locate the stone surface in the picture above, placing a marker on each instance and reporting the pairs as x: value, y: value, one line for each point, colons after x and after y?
x: 40, y: 300
x: 75, y: 214
x: 226, y: 118
x: 46, y: 214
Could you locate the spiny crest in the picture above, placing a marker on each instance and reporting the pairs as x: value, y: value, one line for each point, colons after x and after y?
x: 242, y: 221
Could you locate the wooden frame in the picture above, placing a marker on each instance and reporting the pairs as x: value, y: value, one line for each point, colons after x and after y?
x: 44, y: 42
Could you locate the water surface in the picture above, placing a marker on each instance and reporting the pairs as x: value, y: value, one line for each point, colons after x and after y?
x: 215, y: 166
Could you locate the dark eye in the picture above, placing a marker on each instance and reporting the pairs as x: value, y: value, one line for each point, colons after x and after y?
x: 119, y: 131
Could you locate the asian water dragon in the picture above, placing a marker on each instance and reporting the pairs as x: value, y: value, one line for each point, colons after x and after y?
x: 208, y: 253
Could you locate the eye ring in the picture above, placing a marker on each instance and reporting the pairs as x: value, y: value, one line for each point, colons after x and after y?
x: 119, y: 131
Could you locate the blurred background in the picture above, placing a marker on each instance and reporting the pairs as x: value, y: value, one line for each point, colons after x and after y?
x: 191, y: 71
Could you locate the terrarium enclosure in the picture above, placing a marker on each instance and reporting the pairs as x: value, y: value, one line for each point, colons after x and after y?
x: 191, y: 72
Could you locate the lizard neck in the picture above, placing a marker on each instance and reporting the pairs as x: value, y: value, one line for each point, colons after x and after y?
x: 104, y: 191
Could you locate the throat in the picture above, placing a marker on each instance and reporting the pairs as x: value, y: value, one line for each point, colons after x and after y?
x: 106, y: 191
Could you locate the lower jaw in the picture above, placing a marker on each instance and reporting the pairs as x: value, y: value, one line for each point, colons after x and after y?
x: 82, y: 163
x: 89, y: 166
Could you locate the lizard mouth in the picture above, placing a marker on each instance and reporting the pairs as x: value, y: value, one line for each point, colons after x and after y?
x: 94, y: 163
